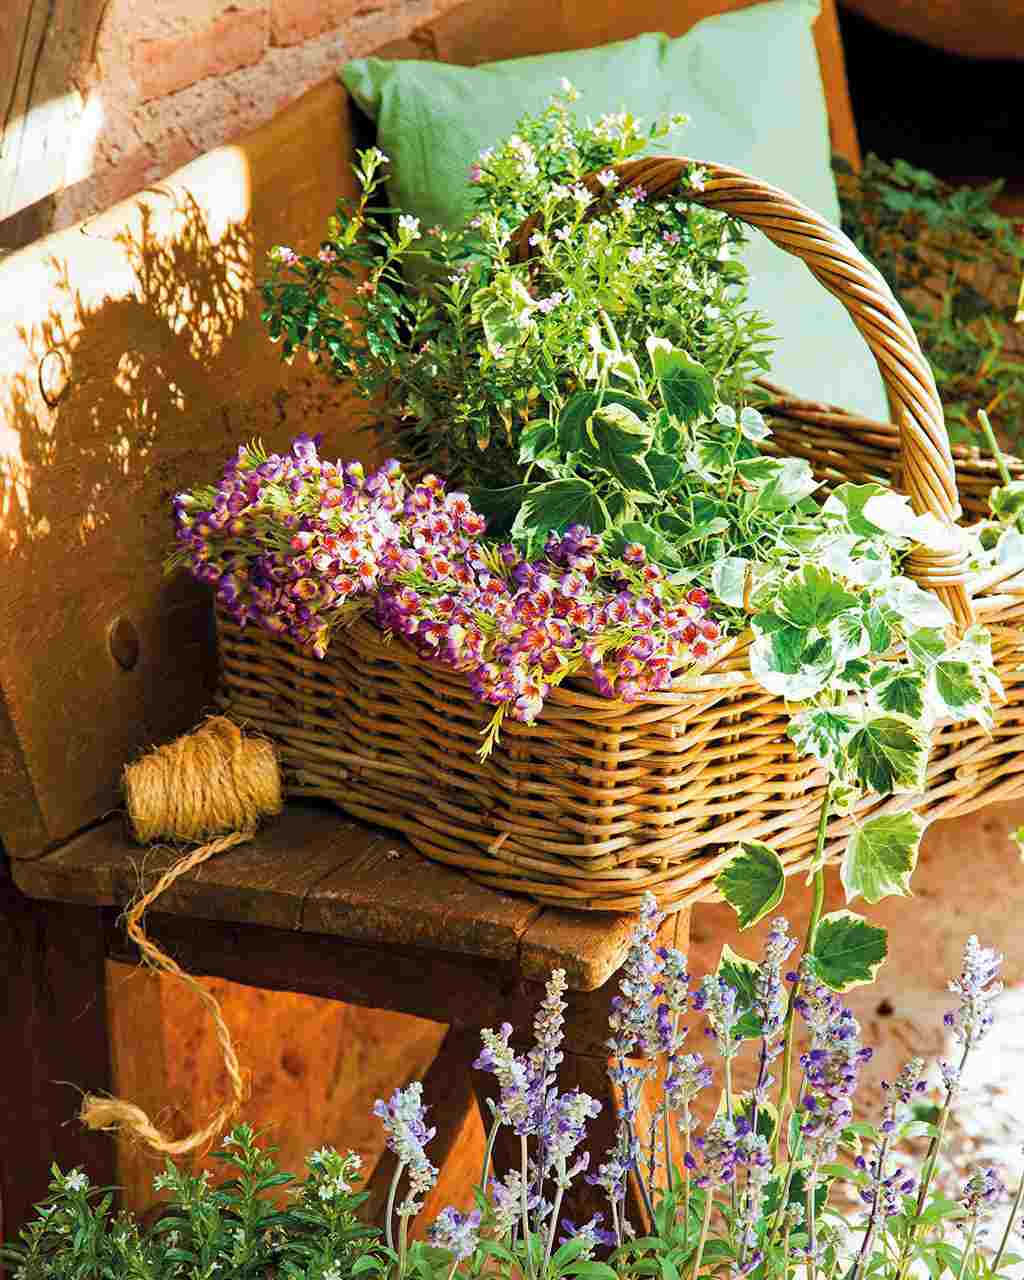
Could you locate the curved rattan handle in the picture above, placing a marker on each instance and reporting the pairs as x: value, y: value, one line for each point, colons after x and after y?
x: 928, y: 473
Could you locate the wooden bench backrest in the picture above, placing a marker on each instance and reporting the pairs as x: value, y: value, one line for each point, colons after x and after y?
x: 133, y: 362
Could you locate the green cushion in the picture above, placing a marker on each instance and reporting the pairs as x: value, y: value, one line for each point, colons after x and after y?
x: 750, y: 83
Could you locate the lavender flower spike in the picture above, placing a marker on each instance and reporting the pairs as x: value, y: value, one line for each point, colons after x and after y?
x: 459, y: 1233
x: 978, y: 988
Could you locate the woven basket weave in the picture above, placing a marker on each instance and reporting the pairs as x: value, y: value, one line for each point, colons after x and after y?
x: 600, y: 801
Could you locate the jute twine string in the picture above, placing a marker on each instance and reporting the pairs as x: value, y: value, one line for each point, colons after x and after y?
x: 211, y: 786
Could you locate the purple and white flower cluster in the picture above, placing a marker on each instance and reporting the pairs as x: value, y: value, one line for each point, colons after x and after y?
x: 299, y: 545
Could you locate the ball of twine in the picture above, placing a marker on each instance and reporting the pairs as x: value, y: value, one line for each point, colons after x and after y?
x: 211, y: 787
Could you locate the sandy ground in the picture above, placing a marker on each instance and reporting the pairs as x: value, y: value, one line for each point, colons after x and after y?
x: 970, y: 879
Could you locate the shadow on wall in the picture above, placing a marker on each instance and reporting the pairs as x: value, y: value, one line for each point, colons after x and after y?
x: 146, y: 368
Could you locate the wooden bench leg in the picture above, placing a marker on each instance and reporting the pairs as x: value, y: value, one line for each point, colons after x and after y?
x: 53, y: 1029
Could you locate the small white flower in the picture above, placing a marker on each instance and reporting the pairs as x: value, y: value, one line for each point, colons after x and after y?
x: 76, y: 1181
x: 562, y: 233
x: 607, y: 178
x: 410, y: 225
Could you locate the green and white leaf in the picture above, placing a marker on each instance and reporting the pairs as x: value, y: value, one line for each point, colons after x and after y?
x: 779, y: 483
x: 823, y: 733
x: 753, y: 882
x: 813, y: 598
x: 849, y: 637
x: 888, y: 755
x: 729, y: 580
x: 554, y: 506
x: 753, y: 426
x: 892, y: 513
x: 741, y: 973
x: 848, y: 952
x: 767, y: 666
x: 902, y: 692
x: 881, y: 857
x: 847, y: 501
x: 688, y: 390
x: 917, y: 607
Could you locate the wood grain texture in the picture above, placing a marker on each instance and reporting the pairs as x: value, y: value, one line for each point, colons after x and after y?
x: 313, y: 871
x: 45, y: 46
x: 54, y: 1030
x: 132, y: 363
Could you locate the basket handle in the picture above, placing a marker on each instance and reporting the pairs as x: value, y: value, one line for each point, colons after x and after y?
x: 928, y: 472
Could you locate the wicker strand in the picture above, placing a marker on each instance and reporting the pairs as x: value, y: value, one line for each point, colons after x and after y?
x: 213, y: 785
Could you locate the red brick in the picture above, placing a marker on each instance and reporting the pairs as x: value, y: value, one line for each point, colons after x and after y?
x: 236, y: 39
x: 292, y: 21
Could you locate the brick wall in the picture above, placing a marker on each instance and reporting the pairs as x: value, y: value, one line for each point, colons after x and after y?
x: 147, y: 85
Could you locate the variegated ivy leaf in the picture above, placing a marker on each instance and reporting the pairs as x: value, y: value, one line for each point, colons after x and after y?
x: 753, y: 425
x: 741, y: 973
x: 823, y: 733
x: 881, y: 857
x: 847, y: 501
x: 899, y: 689
x: 812, y: 598
x: 847, y: 952
x: 687, y: 389
x: 849, y: 558
x: 725, y: 415
x: 848, y: 637
x: 795, y: 686
x: 892, y: 513
x: 889, y: 754
x: 753, y: 882
x: 917, y: 607
x: 729, y: 580
x: 964, y: 680
x: 779, y: 483
x: 926, y: 646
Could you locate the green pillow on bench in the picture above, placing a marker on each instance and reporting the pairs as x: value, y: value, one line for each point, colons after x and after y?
x: 750, y: 83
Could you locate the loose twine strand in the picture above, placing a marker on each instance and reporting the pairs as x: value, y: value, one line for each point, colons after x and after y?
x: 211, y: 786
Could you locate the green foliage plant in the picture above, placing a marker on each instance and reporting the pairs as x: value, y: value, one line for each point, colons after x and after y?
x: 956, y: 266
x: 754, y: 1191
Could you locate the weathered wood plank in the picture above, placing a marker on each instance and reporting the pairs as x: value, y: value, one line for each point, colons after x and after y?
x: 311, y: 869
x: 44, y: 47
x: 53, y: 1029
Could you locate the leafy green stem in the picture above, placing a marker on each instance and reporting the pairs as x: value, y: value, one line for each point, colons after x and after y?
x: 1014, y: 1210
x: 785, y: 1101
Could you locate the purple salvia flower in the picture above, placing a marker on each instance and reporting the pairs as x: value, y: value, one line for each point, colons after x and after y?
x: 978, y: 988
x: 457, y: 1232
x: 592, y: 1233
x: 516, y: 1106
x: 716, y: 999
x: 982, y: 1192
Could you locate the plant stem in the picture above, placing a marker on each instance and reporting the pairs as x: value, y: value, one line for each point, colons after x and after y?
x: 488, y: 1153
x: 968, y: 1247
x: 523, y: 1206
x: 785, y: 1102
x: 686, y: 1176
x: 869, y: 1233
x: 727, y: 1066
x: 554, y: 1220
x: 615, y: 1222
x: 667, y: 1134
x: 698, y: 1257
x: 403, y: 1244
x: 389, y: 1211
x: 812, y: 1236
x: 929, y: 1169
x: 1015, y: 1209
x: 993, y: 444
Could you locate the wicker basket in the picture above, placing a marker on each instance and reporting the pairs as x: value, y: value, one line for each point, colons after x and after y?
x: 600, y: 801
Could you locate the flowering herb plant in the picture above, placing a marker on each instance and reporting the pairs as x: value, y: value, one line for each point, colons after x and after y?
x: 469, y: 347
x: 753, y: 1192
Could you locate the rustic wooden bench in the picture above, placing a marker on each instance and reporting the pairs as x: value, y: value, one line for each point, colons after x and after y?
x: 132, y: 361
